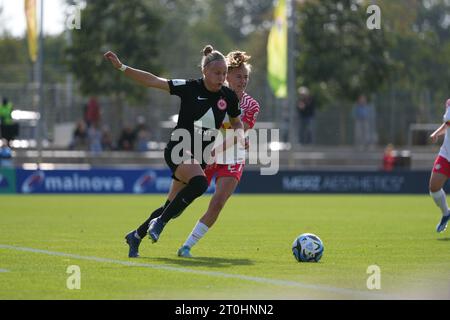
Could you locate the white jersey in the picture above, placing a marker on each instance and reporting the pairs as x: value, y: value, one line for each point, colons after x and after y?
x: 445, y: 148
x: 249, y: 112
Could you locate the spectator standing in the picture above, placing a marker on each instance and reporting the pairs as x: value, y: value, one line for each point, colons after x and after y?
x: 95, y: 138
x: 306, y: 110
x: 80, y: 136
x: 363, y: 114
x: 7, y: 128
x: 142, y: 135
x: 92, y: 112
x: 389, y: 158
x: 5, y: 155
x: 107, y: 141
x: 126, y: 139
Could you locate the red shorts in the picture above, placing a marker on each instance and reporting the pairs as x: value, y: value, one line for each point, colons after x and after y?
x: 224, y: 170
x: 441, y: 165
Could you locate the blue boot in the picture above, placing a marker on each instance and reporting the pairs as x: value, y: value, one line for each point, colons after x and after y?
x: 134, y: 243
x: 155, y: 228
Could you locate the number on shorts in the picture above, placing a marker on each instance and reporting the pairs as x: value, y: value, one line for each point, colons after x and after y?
x: 232, y: 168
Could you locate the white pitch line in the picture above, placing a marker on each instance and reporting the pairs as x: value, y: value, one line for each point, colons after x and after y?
x: 3, y: 270
x: 353, y: 293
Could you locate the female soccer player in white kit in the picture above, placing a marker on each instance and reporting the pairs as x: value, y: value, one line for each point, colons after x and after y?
x: 229, y: 166
x: 441, y: 169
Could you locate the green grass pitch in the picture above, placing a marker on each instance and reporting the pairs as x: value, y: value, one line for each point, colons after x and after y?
x: 246, y: 255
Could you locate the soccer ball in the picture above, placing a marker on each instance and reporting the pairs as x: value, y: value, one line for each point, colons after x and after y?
x: 307, y: 247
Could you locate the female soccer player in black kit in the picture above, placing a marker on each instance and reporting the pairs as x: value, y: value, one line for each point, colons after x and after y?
x: 204, y: 103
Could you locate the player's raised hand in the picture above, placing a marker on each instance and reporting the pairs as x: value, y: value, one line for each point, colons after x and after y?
x: 111, y: 56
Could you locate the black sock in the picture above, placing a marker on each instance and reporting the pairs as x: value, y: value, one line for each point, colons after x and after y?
x: 194, y: 189
x: 142, y: 230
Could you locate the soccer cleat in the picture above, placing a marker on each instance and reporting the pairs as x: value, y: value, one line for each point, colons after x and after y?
x: 184, y: 252
x: 134, y: 243
x: 155, y: 228
x: 443, y: 223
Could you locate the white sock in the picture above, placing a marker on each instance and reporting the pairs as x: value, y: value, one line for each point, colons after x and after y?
x: 197, y: 233
x: 440, y: 199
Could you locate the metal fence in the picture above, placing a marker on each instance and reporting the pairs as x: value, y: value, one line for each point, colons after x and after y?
x: 395, y: 113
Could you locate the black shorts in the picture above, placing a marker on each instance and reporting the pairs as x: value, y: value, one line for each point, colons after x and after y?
x: 172, y: 165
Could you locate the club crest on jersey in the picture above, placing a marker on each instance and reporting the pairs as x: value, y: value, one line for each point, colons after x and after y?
x: 222, y: 104
x: 437, y: 167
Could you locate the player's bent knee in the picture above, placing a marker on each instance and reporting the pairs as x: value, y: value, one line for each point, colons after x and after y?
x: 434, y: 190
x: 434, y: 186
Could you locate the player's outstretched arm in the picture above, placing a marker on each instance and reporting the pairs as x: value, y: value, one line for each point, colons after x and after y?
x: 145, y: 78
x: 439, y: 132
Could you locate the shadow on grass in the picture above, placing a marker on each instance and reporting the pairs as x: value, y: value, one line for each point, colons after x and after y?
x: 443, y: 239
x: 202, y: 261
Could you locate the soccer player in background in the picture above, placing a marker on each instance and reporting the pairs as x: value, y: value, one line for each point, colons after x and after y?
x: 204, y: 104
x: 228, y: 167
x: 441, y: 169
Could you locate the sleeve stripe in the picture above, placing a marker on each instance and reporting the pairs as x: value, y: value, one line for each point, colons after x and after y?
x: 249, y: 104
x: 249, y: 107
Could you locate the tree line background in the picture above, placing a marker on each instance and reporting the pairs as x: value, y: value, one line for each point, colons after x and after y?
x: 404, y: 67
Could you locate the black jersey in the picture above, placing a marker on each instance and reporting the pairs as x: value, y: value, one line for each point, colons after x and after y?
x: 202, y: 110
x: 200, y: 105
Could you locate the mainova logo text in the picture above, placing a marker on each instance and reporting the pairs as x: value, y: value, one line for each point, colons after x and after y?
x: 72, y: 183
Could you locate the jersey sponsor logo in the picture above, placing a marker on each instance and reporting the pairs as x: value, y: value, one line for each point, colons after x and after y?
x: 201, y: 98
x: 144, y: 182
x: 222, y: 104
x: 178, y: 82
